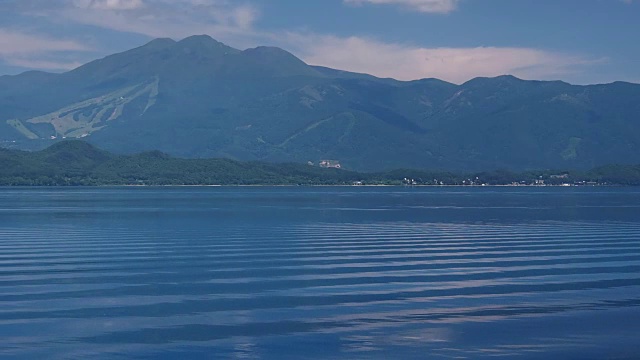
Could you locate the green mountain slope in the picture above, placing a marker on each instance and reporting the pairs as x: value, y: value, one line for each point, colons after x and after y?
x: 200, y: 98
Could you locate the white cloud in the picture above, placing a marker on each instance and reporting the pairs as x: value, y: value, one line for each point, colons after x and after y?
x: 30, y: 63
x: 406, y: 62
x: 222, y: 19
x: 109, y: 4
x: 17, y: 43
x: 29, y: 51
x: 233, y: 22
x: 426, y: 6
x: 230, y: 21
x: 226, y: 20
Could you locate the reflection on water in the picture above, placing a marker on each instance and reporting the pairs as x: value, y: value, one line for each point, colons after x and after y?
x: 342, y: 273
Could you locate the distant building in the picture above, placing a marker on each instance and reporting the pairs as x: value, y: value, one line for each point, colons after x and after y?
x: 330, y: 164
x: 407, y: 181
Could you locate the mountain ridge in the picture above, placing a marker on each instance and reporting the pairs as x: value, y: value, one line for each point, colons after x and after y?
x: 161, y: 43
x: 198, y: 97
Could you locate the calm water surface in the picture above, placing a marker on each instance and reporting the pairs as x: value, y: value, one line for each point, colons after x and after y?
x: 314, y: 273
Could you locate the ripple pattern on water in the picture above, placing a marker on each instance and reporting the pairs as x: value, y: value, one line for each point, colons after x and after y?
x: 337, y: 289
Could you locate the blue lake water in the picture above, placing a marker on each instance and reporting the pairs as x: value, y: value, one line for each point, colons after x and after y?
x: 315, y: 273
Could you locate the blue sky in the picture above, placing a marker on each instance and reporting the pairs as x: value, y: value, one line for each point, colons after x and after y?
x: 579, y: 41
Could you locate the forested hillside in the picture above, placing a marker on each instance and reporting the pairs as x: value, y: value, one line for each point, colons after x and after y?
x: 198, y: 98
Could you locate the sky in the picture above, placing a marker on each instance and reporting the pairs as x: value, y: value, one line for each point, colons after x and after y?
x: 578, y: 41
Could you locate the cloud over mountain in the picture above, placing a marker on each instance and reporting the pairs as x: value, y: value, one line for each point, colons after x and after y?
x: 457, y: 65
x: 64, y: 33
x: 109, y: 4
x: 31, y: 50
x: 426, y: 6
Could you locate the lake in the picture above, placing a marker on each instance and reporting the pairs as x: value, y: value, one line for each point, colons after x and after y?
x: 320, y: 272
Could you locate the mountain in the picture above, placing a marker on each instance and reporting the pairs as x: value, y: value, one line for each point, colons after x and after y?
x: 200, y: 98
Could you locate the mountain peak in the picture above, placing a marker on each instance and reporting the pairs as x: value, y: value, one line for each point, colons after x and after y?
x: 508, y: 77
x: 276, y: 61
x: 198, y: 43
x: 160, y: 43
x: 271, y: 53
x: 493, y: 80
x: 202, y: 40
x: 201, y: 37
x: 497, y: 82
x: 268, y: 50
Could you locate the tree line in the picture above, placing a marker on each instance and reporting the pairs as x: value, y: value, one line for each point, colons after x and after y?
x: 77, y: 163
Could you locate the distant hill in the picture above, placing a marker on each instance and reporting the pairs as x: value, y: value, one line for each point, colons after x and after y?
x: 199, y: 98
x: 78, y: 163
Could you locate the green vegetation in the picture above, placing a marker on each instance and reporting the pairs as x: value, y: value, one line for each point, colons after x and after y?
x: 19, y: 126
x: 198, y: 98
x: 77, y: 163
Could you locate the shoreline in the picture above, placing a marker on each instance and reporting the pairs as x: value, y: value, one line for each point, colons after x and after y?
x: 312, y: 185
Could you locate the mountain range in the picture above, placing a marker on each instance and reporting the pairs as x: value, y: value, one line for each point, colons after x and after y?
x: 199, y: 98
x: 78, y: 163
